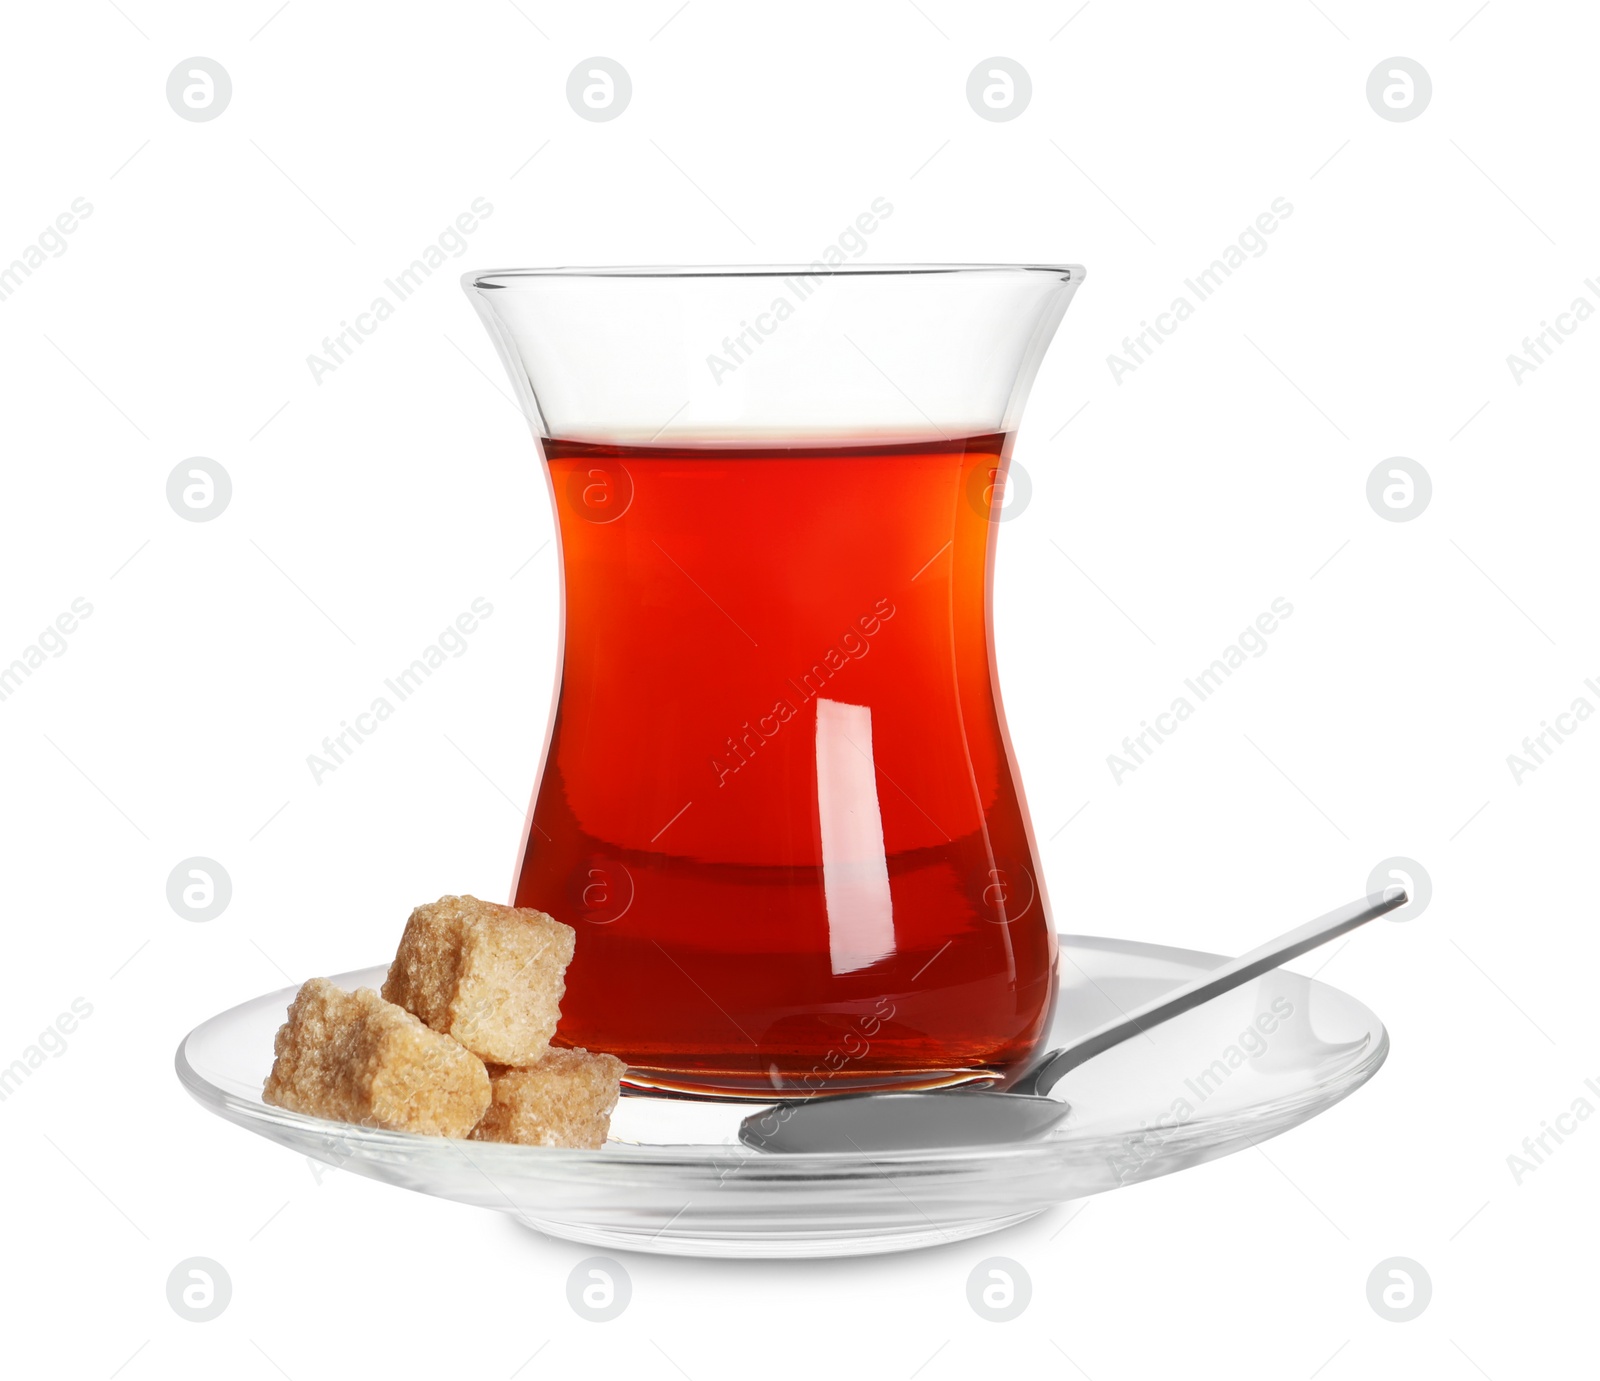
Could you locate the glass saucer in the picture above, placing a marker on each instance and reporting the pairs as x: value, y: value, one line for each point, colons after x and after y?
x: 674, y: 1178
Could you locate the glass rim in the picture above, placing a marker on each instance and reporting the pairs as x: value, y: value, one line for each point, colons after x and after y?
x: 508, y: 277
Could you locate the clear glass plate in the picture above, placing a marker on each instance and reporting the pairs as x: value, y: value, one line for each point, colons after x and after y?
x: 675, y: 1179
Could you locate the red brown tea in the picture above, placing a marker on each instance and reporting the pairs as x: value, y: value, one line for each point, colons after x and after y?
x: 778, y: 799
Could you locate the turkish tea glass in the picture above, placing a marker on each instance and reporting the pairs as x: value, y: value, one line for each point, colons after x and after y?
x: 778, y: 800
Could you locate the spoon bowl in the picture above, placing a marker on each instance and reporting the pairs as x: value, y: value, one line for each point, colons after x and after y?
x: 903, y: 1121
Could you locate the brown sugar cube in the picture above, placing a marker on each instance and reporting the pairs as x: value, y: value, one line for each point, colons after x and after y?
x: 564, y: 1100
x: 357, y: 1058
x: 491, y: 976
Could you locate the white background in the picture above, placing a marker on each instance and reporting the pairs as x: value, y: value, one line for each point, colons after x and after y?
x: 370, y: 509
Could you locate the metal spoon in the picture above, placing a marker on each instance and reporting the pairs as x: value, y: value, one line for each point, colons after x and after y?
x: 933, y: 1120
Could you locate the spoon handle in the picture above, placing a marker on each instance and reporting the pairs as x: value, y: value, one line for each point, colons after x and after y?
x: 1230, y: 975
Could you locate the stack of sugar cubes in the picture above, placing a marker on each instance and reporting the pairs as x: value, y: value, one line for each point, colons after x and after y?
x: 458, y: 1045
